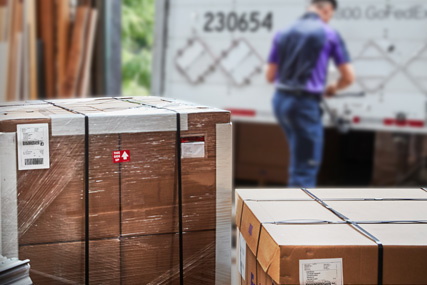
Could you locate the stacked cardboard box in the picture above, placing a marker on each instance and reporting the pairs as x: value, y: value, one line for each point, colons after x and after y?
x: 262, y: 154
x: 399, y: 159
x: 133, y: 197
x: 332, y: 236
x: 388, y: 163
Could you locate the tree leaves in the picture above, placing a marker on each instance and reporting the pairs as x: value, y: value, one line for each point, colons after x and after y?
x: 137, y: 44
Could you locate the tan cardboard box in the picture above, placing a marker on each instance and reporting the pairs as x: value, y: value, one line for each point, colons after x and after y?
x: 252, y: 272
x: 333, y: 235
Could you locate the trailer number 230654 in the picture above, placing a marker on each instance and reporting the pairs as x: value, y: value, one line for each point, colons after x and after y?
x: 242, y: 22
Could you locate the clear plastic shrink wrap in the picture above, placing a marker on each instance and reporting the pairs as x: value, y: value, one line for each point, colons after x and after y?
x: 96, y: 191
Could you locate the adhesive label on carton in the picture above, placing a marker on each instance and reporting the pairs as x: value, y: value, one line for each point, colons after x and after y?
x: 193, y: 147
x: 33, y: 146
x: 242, y: 257
x: 321, y: 272
x: 121, y: 156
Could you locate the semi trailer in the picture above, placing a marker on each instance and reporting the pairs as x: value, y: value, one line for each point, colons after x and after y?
x: 214, y: 53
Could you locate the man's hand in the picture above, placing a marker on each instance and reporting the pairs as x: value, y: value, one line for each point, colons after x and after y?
x: 331, y: 90
x: 347, y: 78
x: 271, y: 72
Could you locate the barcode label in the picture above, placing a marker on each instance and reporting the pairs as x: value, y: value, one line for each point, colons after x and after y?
x: 34, y: 161
x: 33, y: 146
x: 321, y: 272
x: 32, y: 143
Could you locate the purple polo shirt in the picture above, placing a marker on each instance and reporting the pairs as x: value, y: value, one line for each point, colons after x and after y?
x: 302, y: 54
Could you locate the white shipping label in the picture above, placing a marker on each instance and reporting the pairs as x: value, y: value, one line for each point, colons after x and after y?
x: 242, y: 257
x: 33, y: 146
x: 193, y: 150
x: 321, y: 272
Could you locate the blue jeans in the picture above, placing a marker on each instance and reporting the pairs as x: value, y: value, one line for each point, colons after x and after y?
x: 300, y: 117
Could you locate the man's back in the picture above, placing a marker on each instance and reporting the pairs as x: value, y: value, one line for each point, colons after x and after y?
x: 302, y: 54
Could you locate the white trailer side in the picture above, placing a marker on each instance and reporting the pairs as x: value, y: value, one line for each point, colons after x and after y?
x: 214, y: 52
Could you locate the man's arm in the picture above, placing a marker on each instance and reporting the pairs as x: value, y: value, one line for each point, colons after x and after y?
x: 342, y: 61
x: 347, y: 78
x: 271, y: 72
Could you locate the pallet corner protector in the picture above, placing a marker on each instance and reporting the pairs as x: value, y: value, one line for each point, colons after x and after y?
x: 224, y: 207
x: 9, y: 203
x: 68, y: 125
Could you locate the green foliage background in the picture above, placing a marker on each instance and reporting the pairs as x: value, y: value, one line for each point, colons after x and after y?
x: 137, y: 44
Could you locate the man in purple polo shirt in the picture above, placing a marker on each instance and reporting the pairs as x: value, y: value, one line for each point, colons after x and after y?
x: 298, y: 66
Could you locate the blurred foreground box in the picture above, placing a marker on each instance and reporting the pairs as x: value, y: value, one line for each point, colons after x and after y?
x: 332, y: 236
x: 106, y: 171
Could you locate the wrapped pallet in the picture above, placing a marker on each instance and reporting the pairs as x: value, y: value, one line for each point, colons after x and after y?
x: 332, y: 236
x: 131, y: 190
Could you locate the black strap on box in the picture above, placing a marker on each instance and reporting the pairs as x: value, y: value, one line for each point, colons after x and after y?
x: 179, y: 173
x: 357, y: 227
x: 179, y: 184
x: 86, y: 191
x: 322, y: 222
x: 343, y: 200
x: 86, y: 199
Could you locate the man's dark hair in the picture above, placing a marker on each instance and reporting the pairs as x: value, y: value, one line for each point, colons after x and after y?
x: 333, y: 2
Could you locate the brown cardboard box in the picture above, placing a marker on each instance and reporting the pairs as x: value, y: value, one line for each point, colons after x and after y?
x: 152, y: 195
x: 290, y: 234
x: 133, y: 260
x: 142, y: 176
x: 50, y: 203
x: 158, y: 255
x: 262, y: 153
x: 64, y: 263
x: 398, y: 158
x: 386, y: 160
x: 199, y: 175
x: 104, y: 187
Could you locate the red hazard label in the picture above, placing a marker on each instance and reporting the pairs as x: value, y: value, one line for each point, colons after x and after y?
x: 121, y: 156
